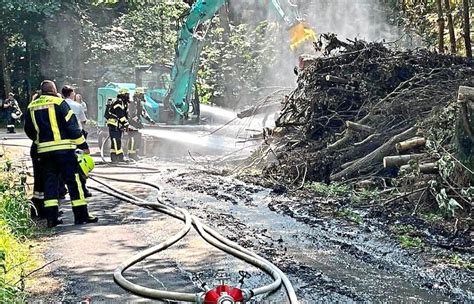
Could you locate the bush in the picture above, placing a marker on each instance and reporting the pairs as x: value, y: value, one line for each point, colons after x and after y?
x: 15, y: 227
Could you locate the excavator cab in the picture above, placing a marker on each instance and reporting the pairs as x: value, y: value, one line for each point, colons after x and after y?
x: 156, y: 80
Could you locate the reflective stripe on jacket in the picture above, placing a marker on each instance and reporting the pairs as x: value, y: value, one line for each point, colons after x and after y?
x: 117, y: 115
x: 52, y: 125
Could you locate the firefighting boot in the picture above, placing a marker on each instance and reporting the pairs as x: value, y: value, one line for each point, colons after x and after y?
x: 82, y: 216
x: 113, y: 158
x: 52, y: 215
x: 121, y: 159
x: 133, y: 156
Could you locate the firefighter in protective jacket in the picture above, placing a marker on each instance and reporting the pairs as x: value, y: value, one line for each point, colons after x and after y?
x: 137, y: 113
x: 117, y: 121
x: 51, y: 124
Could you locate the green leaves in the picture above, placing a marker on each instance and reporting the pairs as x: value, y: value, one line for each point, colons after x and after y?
x: 233, y: 63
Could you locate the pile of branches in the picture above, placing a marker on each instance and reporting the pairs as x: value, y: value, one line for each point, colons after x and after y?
x: 353, y: 105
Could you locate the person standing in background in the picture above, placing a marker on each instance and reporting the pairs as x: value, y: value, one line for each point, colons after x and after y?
x: 79, y: 100
x: 69, y: 96
x: 117, y: 122
x: 13, y: 112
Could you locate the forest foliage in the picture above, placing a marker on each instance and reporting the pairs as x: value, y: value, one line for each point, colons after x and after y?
x: 90, y: 43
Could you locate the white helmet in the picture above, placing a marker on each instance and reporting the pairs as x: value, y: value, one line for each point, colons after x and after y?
x: 16, y: 115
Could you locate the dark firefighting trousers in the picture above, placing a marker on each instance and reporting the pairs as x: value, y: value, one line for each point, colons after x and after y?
x: 61, y: 165
x: 116, y: 151
x: 10, y: 121
x: 38, y: 188
x: 134, y: 142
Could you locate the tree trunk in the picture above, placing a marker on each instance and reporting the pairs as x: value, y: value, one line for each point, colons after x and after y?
x: 375, y: 158
x: 452, y: 34
x: 7, y: 85
x: 439, y: 7
x: 225, y: 24
x: 465, y: 129
x: 400, y: 160
x: 467, y: 28
x: 410, y: 144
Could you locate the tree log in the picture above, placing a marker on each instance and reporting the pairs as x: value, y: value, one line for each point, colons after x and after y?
x: 359, y: 127
x: 375, y: 158
x: 465, y: 129
x: 410, y: 144
x: 428, y: 168
x: 366, y: 140
x: 335, y: 79
x: 400, y: 160
x: 342, y: 141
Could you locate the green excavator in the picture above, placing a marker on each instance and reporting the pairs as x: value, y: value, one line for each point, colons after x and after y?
x: 171, y: 95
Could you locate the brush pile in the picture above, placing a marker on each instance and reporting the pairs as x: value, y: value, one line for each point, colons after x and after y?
x: 354, y: 105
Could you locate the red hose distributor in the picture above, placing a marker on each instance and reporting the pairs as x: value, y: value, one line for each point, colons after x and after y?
x: 224, y: 294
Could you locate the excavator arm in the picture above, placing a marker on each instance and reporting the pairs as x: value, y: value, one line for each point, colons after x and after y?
x: 191, y: 36
x: 186, y: 65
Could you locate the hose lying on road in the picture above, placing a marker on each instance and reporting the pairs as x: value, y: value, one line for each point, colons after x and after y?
x: 207, y: 233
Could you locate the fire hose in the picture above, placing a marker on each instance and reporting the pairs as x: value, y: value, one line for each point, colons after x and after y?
x: 222, y: 294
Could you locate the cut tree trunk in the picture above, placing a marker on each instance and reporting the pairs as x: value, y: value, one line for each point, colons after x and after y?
x: 452, y: 34
x: 410, y: 144
x: 467, y: 28
x: 374, y: 159
x: 400, y: 160
x: 335, y: 79
x: 441, y: 25
x: 465, y: 129
x: 353, y: 126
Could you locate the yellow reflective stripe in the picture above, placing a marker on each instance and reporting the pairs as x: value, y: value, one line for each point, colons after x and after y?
x: 51, y: 203
x: 79, y: 188
x: 115, y: 148
x: 33, y: 120
x: 79, y: 141
x: 45, y: 100
x: 77, y: 203
x: 59, y: 142
x: 57, y: 148
x: 112, y: 121
x: 54, y: 124
x: 69, y: 115
x: 123, y: 119
x: 118, y: 106
x: 114, y: 142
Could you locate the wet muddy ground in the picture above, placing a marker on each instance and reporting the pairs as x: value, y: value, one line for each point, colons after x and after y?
x: 329, y: 259
x: 329, y: 256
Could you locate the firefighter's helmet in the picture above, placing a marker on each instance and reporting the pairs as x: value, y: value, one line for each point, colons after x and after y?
x: 123, y: 91
x: 140, y: 90
x: 85, y: 162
